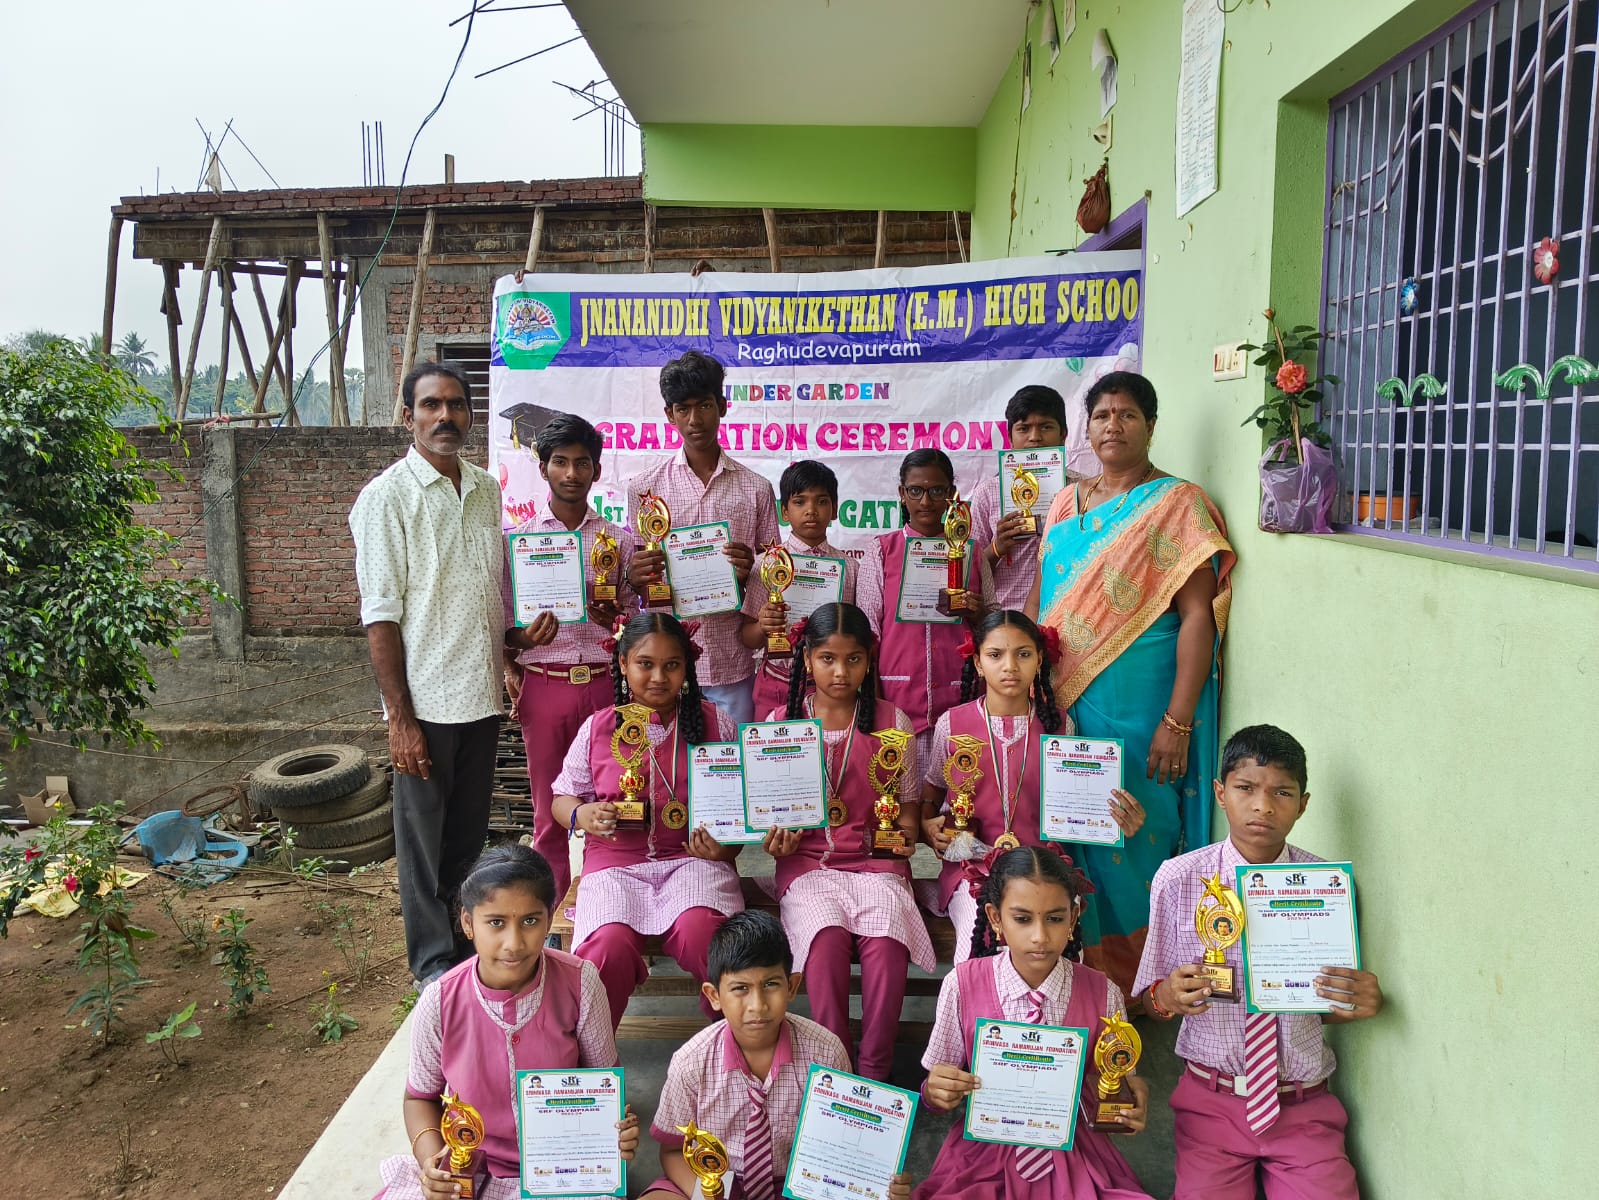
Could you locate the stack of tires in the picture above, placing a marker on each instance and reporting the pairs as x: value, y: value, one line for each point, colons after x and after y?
x: 337, y: 805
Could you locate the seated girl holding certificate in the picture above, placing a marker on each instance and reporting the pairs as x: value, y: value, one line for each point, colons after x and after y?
x: 919, y: 661
x: 1022, y: 971
x: 662, y: 879
x: 1011, y: 657
x: 839, y: 901
x: 514, y: 1005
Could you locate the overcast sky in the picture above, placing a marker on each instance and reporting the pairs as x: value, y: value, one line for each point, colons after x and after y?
x: 97, y: 96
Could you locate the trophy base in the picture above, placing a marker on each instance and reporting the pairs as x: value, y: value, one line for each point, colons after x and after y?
x: 472, y: 1186
x: 632, y: 814
x: 779, y: 645
x: 886, y: 843
x: 957, y: 600
x: 603, y: 593
x: 1030, y: 525
x: 1118, y: 1103
x: 1223, y: 982
x: 657, y: 595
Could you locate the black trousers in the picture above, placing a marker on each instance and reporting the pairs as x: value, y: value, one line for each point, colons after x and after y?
x: 440, y: 824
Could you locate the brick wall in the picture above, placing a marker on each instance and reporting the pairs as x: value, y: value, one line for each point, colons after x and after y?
x: 450, y: 312
x: 180, y: 508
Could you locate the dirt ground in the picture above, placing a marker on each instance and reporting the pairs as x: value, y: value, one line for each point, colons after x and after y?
x: 89, y: 1121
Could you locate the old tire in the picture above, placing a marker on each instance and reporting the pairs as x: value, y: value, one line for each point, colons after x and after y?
x: 364, y: 854
x: 331, y: 835
x: 341, y: 808
x: 302, y: 778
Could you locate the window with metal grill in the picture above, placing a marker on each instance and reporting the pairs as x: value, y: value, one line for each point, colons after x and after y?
x: 473, y: 359
x: 1460, y: 284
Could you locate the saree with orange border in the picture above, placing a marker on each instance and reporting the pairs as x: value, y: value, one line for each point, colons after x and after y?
x: 1107, y: 581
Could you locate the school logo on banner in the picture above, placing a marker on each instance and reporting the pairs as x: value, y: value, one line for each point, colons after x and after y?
x: 529, y: 329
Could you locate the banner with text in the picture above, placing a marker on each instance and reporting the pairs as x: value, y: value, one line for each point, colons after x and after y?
x: 853, y: 368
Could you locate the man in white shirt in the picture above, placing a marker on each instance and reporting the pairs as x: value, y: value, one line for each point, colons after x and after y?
x: 428, y: 558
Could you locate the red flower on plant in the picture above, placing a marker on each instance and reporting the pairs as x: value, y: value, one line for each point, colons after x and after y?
x: 31, y: 853
x: 71, y: 884
x: 1292, y: 378
x: 1546, y: 260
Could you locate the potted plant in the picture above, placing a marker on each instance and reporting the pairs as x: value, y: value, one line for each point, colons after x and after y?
x: 1298, y: 484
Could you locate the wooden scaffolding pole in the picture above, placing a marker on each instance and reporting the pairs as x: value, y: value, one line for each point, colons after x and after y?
x: 352, y: 280
x: 270, y: 366
x: 882, y: 239
x: 169, y: 308
x: 212, y: 248
x: 649, y: 238
x: 413, y: 324
x: 112, y: 250
x: 226, y: 279
x: 291, y: 290
x: 244, y: 346
x: 535, y: 239
x: 770, y: 217
x: 338, y: 411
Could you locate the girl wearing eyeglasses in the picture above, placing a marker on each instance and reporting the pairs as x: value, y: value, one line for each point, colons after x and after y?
x: 918, y: 661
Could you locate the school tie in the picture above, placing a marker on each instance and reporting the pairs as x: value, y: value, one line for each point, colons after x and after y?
x: 1033, y: 1162
x: 755, y: 1179
x: 1261, y: 1103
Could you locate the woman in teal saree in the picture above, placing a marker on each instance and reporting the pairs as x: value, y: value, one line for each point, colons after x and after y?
x: 1134, y: 577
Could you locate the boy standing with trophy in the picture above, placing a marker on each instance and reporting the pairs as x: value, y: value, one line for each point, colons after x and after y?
x: 700, y: 484
x: 1254, y: 1089
x: 558, y: 675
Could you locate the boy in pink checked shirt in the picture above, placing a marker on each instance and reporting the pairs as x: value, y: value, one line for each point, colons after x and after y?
x: 1253, y: 1095
x: 1036, y: 418
x: 743, y: 1079
x: 700, y: 484
x: 558, y: 675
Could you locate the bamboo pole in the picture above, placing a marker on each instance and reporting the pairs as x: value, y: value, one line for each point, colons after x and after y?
x: 270, y: 366
x: 338, y: 412
x: 112, y: 250
x: 413, y: 324
x: 226, y: 277
x: 244, y: 346
x: 770, y: 218
x: 211, y: 249
x: 882, y: 239
x: 534, y: 240
x: 169, y: 307
x: 649, y: 238
x: 291, y: 291
x: 351, y: 286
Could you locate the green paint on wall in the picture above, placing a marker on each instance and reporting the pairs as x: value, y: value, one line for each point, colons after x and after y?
x: 1448, y: 708
x: 810, y: 166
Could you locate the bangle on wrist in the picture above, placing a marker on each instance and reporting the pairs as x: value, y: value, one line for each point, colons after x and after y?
x: 418, y: 1136
x: 1176, y: 726
x: 1154, y: 1004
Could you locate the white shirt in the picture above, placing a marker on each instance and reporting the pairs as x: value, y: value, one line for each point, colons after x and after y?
x: 430, y: 561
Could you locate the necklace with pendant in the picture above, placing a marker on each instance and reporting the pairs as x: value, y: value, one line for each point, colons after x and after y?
x: 837, y: 810
x: 1006, y: 840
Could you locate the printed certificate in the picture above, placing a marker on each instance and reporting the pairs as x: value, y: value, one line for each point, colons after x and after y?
x: 1048, y: 465
x: 1298, y: 918
x: 702, y: 577
x: 566, y: 1121
x: 547, y: 576
x: 817, y: 581
x: 1076, y: 776
x: 716, y: 793
x: 1031, y: 1077
x: 924, y: 575
x: 784, y: 787
x: 851, y: 1139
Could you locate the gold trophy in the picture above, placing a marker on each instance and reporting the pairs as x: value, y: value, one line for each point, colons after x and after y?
x: 777, y: 572
x: 653, y: 520
x: 1116, y: 1053
x: 965, y: 761
x: 1219, y: 922
x: 604, y: 558
x: 462, y: 1127
x: 706, y: 1157
x: 957, y: 536
x: 1024, y: 494
x: 887, y: 765
x: 630, y: 745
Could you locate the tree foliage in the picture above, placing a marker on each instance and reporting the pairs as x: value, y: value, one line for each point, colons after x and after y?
x: 82, y: 593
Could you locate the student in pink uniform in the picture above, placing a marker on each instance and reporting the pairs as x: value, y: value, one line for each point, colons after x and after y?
x: 839, y: 903
x: 557, y: 675
x: 743, y: 1078
x: 1022, y: 970
x: 513, y: 1006
x: 664, y: 879
x: 1011, y: 657
x: 1253, y: 1099
x: 808, y: 492
x: 919, y: 663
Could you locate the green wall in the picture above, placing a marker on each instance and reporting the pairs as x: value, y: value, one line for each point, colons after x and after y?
x: 1451, y: 711
x: 810, y: 166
